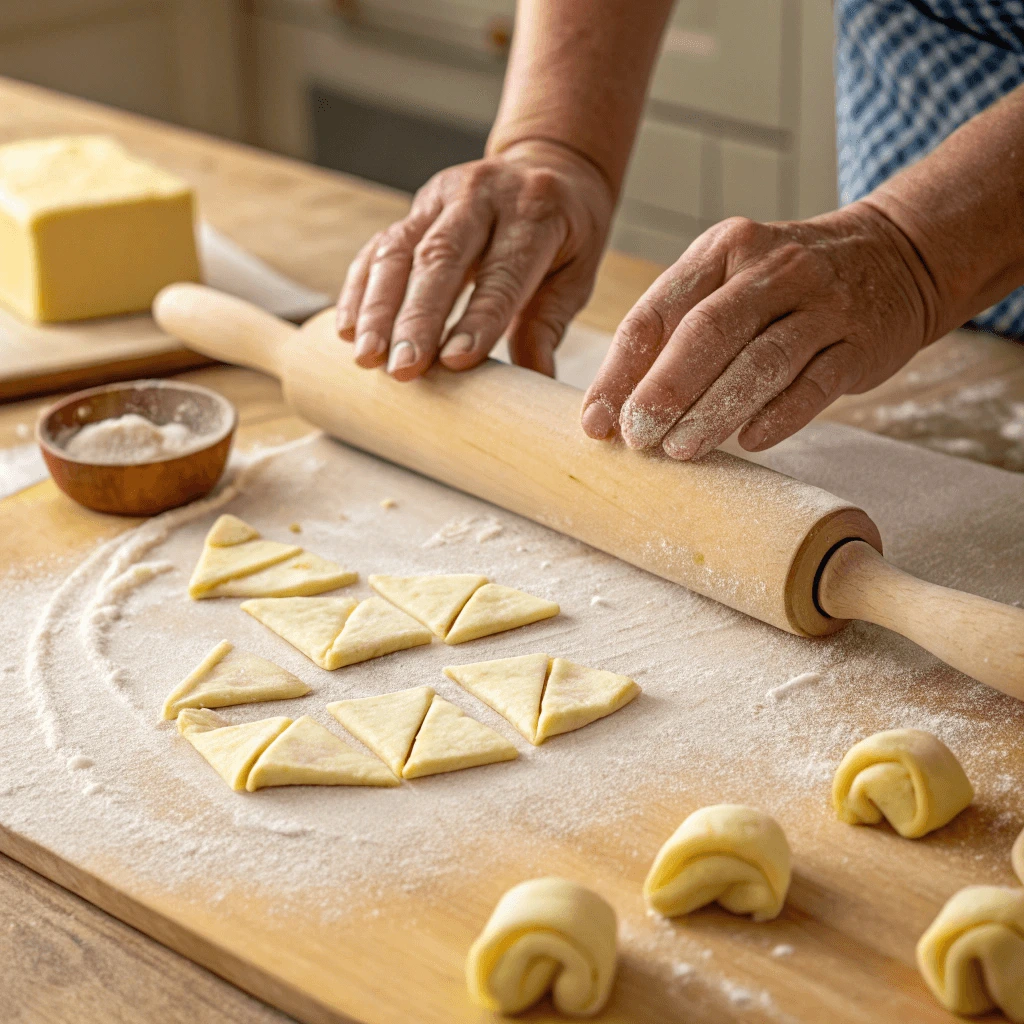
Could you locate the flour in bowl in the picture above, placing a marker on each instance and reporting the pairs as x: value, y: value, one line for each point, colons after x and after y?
x: 131, y: 438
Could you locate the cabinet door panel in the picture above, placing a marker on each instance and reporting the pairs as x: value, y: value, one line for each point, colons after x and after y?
x: 724, y: 57
x: 665, y: 168
x: 751, y: 181
x: 127, y: 63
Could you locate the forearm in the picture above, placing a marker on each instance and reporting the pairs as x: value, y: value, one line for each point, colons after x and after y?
x: 578, y: 75
x: 962, y: 209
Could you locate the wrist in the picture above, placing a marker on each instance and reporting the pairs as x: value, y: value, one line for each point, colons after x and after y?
x: 907, y: 255
x: 555, y: 153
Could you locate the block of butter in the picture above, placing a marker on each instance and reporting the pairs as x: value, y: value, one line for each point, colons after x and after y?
x: 87, y: 230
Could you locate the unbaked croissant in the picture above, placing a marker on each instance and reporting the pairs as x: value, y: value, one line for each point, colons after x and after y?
x: 907, y: 776
x: 972, y: 956
x: 735, y: 855
x: 545, y: 934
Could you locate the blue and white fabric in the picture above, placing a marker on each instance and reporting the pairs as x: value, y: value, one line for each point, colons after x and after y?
x: 909, y: 73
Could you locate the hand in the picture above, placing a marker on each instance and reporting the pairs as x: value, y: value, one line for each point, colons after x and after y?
x: 761, y: 326
x: 526, y: 226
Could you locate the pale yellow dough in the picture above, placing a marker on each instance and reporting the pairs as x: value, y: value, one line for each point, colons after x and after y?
x: 458, y: 608
x: 972, y: 955
x: 302, y: 575
x: 576, y: 695
x: 494, y: 609
x: 307, y: 754
x: 417, y: 733
x: 374, y: 629
x: 434, y: 601
x: 544, y: 697
x: 336, y: 631
x: 231, y: 750
x: 733, y: 855
x: 907, y: 776
x: 229, y: 676
x: 1017, y: 857
x: 309, y: 624
x: 544, y: 935
x: 236, y: 562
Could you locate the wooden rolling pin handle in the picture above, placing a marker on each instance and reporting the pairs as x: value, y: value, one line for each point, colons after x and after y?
x: 981, y: 638
x: 223, y: 327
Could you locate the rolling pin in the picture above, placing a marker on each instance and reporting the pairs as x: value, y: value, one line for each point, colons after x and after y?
x: 783, y: 551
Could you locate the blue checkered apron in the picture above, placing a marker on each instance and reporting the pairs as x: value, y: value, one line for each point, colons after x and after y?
x: 910, y: 72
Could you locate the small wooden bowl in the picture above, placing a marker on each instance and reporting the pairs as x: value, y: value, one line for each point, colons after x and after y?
x: 140, y: 488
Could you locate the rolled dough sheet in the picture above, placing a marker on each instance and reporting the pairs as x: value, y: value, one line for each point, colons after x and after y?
x: 87, y: 659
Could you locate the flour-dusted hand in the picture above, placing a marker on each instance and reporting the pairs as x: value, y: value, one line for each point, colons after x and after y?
x: 526, y: 226
x: 762, y: 326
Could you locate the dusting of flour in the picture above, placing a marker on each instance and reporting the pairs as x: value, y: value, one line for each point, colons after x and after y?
x: 732, y: 710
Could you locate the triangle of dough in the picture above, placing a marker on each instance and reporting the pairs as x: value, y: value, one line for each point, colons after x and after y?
x: 199, y: 720
x: 230, y: 676
x: 375, y: 628
x: 386, y: 724
x: 233, y: 749
x: 433, y: 600
x: 219, y: 563
x: 576, y: 695
x: 230, y: 530
x: 309, y: 624
x: 511, y: 686
x: 302, y: 575
x: 449, y: 740
x: 307, y: 754
x: 494, y: 608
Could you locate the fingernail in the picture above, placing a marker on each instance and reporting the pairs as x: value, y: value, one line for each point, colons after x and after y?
x: 753, y: 438
x: 369, y: 344
x: 457, y: 346
x: 345, y: 326
x: 402, y: 355
x: 683, y: 442
x: 598, y: 421
x: 640, y: 427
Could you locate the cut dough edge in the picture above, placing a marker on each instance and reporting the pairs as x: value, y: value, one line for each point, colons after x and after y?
x: 495, y: 683
x: 427, y: 717
x: 310, y: 624
x: 495, y: 608
x: 308, y: 754
x: 229, y: 676
x: 334, y: 631
x: 237, y: 562
x: 434, y: 601
x: 270, y: 752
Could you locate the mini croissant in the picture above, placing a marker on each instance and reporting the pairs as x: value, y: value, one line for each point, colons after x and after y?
x: 736, y: 856
x: 545, y: 934
x: 972, y: 956
x: 907, y: 776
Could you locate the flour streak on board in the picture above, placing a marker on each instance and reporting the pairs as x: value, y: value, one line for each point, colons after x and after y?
x: 90, y: 653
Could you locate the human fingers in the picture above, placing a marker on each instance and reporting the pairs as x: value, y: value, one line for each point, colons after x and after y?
x: 831, y: 373
x: 645, y: 331
x: 510, y: 272
x: 760, y: 371
x: 539, y: 328
x: 352, y: 291
x: 706, y: 341
x: 390, y: 261
x: 440, y: 264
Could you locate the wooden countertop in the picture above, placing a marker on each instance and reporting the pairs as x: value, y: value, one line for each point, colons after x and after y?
x: 62, y: 960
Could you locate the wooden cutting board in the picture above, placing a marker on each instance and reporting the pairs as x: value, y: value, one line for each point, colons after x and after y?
x: 42, y: 359
x: 860, y: 897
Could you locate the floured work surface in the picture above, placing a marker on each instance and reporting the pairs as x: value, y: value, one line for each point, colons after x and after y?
x: 344, y: 903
